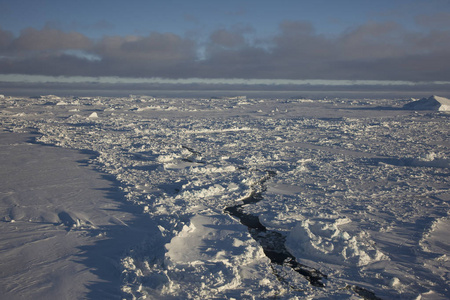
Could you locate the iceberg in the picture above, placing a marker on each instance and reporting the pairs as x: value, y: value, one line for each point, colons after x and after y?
x: 432, y: 103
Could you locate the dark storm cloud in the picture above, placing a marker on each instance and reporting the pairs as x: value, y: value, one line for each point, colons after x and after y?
x: 374, y: 51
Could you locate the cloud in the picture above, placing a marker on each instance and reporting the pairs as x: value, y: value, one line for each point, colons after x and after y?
x: 381, y: 51
x: 372, y: 51
x: 166, y: 47
x: 158, y: 54
x: 436, y: 21
x: 6, y: 39
x: 32, y: 39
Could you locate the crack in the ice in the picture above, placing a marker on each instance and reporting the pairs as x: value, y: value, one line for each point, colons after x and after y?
x: 191, y: 150
x: 272, y: 242
x: 195, y: 153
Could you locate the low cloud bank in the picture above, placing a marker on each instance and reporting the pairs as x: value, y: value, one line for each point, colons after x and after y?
x: 373, y: 51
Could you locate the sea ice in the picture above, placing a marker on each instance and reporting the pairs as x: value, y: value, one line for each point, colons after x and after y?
x: 361, y: 193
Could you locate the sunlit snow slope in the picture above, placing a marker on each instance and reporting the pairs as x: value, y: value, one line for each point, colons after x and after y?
x: 353, y: 192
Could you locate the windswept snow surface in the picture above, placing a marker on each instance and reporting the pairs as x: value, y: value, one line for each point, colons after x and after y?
x: 359, y: 192
x: 62, y: 225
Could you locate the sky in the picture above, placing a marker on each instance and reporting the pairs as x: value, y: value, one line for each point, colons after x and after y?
x: 253, y: 45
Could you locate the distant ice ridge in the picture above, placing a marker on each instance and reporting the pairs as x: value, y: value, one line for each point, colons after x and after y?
x: 432, y: 103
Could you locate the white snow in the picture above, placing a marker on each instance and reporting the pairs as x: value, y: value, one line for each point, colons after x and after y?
x: 59, y: 233
x: 93, y: 115
x: 359, y: 192
x: 432, y: 103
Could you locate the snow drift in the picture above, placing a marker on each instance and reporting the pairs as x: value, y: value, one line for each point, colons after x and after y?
x: 432, y: 103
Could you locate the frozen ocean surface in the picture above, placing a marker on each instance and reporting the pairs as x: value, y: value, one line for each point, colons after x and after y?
x: 64, y: 227
x: 223, y: 198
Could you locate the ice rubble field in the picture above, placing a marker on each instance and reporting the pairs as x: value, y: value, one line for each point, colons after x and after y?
x: 358, y: 191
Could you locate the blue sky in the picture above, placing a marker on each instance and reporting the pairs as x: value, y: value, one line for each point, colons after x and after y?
x: 103, y: 17
x: 299, y: 41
